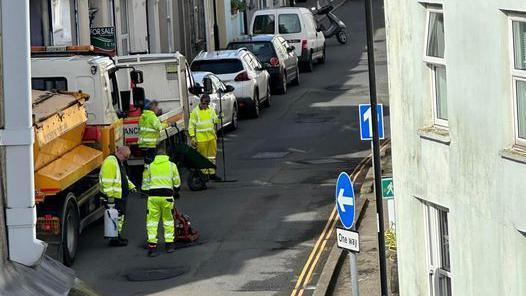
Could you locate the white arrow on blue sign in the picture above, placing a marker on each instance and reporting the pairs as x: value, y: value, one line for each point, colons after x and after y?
x: 345, y: 200
x: 366, y: 123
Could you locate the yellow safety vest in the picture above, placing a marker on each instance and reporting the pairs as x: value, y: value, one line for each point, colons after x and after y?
x: 202, y: 124
x: 161, y: 174
x: 110, y: 178
x: 149, y: 129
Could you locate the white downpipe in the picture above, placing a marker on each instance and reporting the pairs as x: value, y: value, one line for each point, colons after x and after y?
x: 169, y: 20
x: 17, y: 136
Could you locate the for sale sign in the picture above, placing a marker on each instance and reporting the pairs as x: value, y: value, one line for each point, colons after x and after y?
x: 103, y: 40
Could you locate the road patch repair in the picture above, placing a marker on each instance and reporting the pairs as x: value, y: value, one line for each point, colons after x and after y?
x: 156, y: 274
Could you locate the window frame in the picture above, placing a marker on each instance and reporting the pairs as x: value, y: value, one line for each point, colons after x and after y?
x: 432, y: 63
x: 516, y: 75
x: 433, y: 247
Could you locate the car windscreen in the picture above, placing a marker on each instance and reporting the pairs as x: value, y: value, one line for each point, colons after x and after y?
x: 217, y: 66
x: 263, y: 24
x: 289, y: 23
x: 262, y: 49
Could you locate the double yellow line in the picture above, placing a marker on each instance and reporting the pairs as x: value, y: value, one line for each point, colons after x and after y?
x: 314, y: 257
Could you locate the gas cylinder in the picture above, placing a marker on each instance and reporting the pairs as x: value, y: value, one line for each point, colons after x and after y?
x: 110, y: 222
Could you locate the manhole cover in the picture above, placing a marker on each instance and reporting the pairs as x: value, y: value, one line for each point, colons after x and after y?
x: 156, y: 274
x: 270, y: 155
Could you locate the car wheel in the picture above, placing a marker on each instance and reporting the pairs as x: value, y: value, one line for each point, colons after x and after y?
x: 255, y: 110
x: 296, y: 80
x: 268, y: 100
x: 323, y: 57
x: 283, y: 88
x: 342, y: 36
x: 70, y: 230
x: 234, y: 124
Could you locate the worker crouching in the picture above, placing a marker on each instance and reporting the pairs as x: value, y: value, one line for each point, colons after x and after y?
x: 203, y: 133
x: 161, y: 181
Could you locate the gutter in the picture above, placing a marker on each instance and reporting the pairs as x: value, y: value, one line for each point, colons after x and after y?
x: 17, y: 136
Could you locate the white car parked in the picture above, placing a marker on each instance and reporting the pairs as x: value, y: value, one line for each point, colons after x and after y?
x: 298, y: 26
x: 241, y: 69
x: 227, y: 104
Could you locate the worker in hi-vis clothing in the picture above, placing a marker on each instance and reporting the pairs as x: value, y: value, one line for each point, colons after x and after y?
x: 203, y: 133
x: 115, y: 188
x: 149, y: 130
x: 161, y: 182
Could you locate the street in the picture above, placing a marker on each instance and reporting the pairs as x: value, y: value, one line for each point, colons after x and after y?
x: 257, y: 232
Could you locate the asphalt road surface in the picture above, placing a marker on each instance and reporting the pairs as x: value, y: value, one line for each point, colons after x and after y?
x: 257, y: 232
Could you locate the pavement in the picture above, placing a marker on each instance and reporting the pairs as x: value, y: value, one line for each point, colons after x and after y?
x: 258, y: 232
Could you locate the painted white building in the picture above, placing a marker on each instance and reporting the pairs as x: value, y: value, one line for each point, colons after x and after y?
x: 457, y: 83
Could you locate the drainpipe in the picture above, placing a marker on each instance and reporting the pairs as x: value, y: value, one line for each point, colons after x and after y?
x: 17, y: 136
x: 169, y: 21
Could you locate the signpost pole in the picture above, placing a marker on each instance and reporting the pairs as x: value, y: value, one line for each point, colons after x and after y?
x: 353, y: 260
x: 376, y: 147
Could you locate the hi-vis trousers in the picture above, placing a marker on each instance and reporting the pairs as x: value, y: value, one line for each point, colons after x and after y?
x: 209, y: 150
x: 160, y: 207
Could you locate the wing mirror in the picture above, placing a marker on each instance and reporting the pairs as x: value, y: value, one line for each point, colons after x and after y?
x: 207, y: 86
x: 197, y: 89
x: 229, y: 89
x: 291, y: 48
x: 137, y: 76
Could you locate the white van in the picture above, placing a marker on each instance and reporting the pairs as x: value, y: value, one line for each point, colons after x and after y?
x: 298, y: 26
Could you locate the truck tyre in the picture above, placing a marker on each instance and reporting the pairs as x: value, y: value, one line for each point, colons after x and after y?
x: 196, y: 180
x: 70, y: 230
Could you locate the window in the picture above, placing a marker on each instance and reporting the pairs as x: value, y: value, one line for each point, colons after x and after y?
x: 264, y: 24
x: 518, y: 31
x: 435, y: 59
x: 263, y: 50
x: 437, y: 239
x: 49, y: 83
x: 217, y: 66
x: 289, y: 23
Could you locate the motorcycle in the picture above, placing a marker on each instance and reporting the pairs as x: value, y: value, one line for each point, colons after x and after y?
x: 330, y: 24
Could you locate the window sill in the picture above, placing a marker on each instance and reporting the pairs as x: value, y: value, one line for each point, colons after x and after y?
x: 434, y: 133
x: 517, y: 154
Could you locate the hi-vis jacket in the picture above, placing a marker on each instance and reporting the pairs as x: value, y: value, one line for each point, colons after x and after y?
x: 161, y: 175
x: 202, y: 124
x: 110, y: 178
x: 149, y: 128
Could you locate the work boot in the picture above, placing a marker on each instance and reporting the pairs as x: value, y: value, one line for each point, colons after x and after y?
x: 169, y: 247
x: 118, y: 242
x: 152, y: 250
x: 215, y: 177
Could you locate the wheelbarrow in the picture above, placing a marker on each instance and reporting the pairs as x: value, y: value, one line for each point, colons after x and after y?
x: 186, y: 156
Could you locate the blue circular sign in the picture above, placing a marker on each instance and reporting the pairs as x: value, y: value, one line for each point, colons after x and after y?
x: 345, y: 201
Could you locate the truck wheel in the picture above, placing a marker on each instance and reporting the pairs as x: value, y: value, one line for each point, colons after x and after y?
x: 70, y: 230
x: 196, y: 180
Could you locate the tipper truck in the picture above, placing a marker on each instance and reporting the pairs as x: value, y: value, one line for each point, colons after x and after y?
x: 117, y: 90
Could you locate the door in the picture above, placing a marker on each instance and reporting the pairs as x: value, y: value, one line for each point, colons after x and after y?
x: 223, y: 104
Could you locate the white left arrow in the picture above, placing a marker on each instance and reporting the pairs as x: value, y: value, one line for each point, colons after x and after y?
x: 344, y: 200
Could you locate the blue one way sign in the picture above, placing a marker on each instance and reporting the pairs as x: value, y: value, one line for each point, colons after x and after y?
x: 345, y: 200
x: 366, y: 124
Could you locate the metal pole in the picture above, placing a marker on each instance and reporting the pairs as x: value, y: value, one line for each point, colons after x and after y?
x: 216, y: 28
x: 353, y: 260
x: 222, y: 135
x: 376, y: 147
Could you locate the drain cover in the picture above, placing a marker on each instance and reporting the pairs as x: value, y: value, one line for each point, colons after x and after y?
x: 156, y: 274
x: 270, y: 155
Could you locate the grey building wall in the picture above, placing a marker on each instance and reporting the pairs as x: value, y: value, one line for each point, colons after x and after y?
x: 481, y: 189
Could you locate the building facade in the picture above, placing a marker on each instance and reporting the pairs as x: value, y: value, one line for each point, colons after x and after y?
x: 457, y: 83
